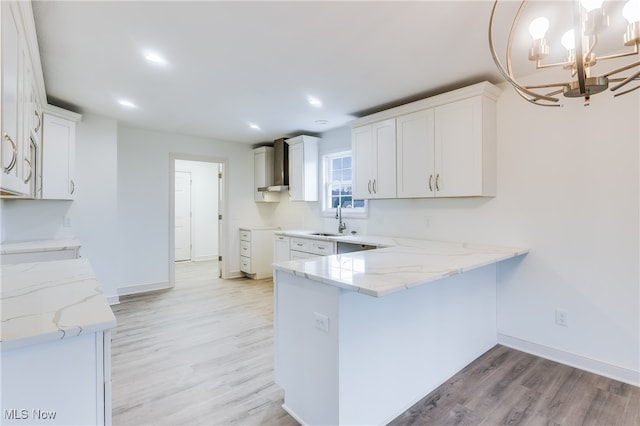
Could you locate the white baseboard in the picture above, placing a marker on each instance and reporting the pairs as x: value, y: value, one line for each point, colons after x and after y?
x: 615, y: 372
x: 143, y: 288
x: 292, y: 414
x: 204, y: 258
x: 235, y: 274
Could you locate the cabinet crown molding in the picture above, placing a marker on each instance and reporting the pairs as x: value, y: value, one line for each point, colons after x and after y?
x: 484, y: 88
x: 61, y: 113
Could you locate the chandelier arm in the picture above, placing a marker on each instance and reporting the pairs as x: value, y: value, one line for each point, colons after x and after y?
x: 626, y: 91
x: 591, y: 47
x: 519, y: 88
x: 534, y: 99
x: 625, y: 81
x: 618, y: 55
x: 516, y: 19
x: 546, y: 85
x: 624, y: 68
x: 541, y: 66
x: 577, y: 28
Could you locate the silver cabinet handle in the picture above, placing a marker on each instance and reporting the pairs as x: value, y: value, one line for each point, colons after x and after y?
x: 14, y: 156
x: 369, y: 186
x: 375, y: 191
x: 37, y: 128
x: 430, y: 182
x: 26, y: 160
x: 73, y: 186
x: 437, y: 182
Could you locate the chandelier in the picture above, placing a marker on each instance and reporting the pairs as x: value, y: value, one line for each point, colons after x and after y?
x: 590, y: 21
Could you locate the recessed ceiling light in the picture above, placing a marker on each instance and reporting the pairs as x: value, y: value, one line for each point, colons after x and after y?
x: 322, y: 122
x: 155, y: 58
x: 127, y: 104
x: 314, y: 101
x: 254, y: 126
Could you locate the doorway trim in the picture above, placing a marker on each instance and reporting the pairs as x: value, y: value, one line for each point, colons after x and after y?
x: 222, y: 210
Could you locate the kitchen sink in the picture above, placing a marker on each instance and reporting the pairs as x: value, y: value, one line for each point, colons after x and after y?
x: 324, y: 234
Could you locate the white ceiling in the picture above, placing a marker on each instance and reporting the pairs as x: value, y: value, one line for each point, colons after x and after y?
x: 238, y: 62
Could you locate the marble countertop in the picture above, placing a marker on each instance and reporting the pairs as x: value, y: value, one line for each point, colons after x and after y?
x: 402, y: 264
x: 46, y: 301
x: 39, y: 246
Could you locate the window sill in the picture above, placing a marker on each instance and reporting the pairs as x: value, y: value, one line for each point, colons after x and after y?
x: 346, y: 214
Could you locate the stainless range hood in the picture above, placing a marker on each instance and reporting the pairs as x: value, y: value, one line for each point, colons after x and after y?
x: 280, y: 168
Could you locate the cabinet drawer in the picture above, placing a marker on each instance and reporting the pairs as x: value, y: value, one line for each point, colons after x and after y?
x: 245, y: 264
x: 301, y: 244
x: 245, y: 235
x: 245, y: 248
x: 323, y: 247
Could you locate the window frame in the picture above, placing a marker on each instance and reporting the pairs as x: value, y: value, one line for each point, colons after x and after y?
x: 326, y: 183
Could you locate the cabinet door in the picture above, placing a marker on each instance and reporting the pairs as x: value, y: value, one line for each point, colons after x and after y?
x: 415, y: 155
x: 263, y: 174
x: 363, y: 160
x: 296, y: 172
x: 58, y: 158
x: 281, y: 248
x: 384, y: 179
x: 458, y: 148
x: 12, y: 146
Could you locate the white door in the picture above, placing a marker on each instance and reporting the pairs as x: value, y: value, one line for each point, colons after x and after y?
x: 183, y: 216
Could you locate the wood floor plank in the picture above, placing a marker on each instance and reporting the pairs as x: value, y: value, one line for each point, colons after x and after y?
x: 202, y: 354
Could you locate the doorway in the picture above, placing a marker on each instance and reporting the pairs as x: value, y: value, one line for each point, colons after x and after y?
x: 196, y: 206
x: 183, y: 216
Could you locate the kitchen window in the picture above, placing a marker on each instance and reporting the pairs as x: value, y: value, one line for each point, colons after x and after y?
x: 338, y: 184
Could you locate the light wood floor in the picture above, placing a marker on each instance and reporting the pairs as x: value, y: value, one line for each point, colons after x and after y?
x: 202, y: 353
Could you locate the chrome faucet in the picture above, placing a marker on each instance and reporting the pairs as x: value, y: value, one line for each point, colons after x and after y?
x: 341, y: 225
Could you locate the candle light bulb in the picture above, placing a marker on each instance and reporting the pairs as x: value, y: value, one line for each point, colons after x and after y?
x: 538, y: 27
x: 590, y: 5
x: 569, y: 40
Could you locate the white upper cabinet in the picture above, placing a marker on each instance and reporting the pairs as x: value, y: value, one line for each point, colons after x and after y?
x: 445, y: 146
x: 263, y: 174
x: 465, y: 148
x: 23, y: 93
x: 58, y: 156
x: 303, y: 168
x: 374, y: 153
x: 13, y: 136
x: 415, y: 155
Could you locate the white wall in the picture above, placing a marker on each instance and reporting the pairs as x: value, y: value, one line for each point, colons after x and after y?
x: 92, y: 214
x: 568, y: 189
x: 143, y: 200
x: 204, y: 207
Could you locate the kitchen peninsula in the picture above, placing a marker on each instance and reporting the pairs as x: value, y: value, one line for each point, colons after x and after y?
x: 362, y: 336
x: 55, y: 344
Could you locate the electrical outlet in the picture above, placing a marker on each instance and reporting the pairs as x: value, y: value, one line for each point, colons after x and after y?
x: 321, y: 322
x: 562, y: 317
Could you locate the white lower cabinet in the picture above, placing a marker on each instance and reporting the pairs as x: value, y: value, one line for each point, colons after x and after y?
x: 281, y: 248
x: 304, y: 248
x: 63, y: 382
x: 256, y: 252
